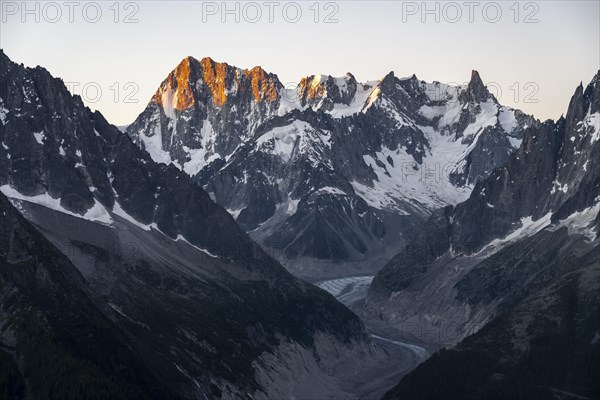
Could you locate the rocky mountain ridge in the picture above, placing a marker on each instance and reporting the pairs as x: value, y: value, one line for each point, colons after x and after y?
x: 334, y: 159
x: 207, y: 311
x: 518, y: 263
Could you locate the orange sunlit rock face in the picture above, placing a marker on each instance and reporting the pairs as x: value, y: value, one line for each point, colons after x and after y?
x: 215, y: 75
x: 311, y: 89
x: 263, y: 87
x: 177, y: 91
x: 184, y: 94
x: 179, y: 81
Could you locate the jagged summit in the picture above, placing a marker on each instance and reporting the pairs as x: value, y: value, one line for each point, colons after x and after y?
x: 476, y: 89
x: 324, y: 91
x: 475, y: 76
x: 210, y: 60
x: 389, y: 78
x: 592, y: 91
x: 186, y: 85
x: 584, y: 107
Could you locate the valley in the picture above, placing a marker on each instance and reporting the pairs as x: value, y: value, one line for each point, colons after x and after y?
x: 339, y: 239
x: 404, y: 356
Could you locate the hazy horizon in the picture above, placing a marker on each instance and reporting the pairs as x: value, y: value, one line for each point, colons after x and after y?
x: 535, y: 65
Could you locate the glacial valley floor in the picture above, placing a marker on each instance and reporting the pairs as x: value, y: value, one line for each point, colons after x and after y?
x: 375, y: 379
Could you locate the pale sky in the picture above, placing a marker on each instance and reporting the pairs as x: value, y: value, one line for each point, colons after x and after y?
x: 545, y: 58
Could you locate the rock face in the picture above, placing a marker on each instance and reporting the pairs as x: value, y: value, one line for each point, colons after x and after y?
x: 542, y: 343
x: 55, y: 343
x: 189, y: 294
x: 198, y: 100
x: 331, y: 177
x: 517, y: 264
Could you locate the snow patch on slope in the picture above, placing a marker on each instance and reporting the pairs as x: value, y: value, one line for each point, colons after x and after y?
x: 39, y: 136
x: 95, y: 214
x: 331, y: 190
x: 168, y: 101
x: 450, y: 108
x: 487, y: 117
x: 118, y: 210
x: 363, y: 91
x: 529, y: 227
x: 203, y: 156
x: 3, y: 112
x: 592, y: 123
x: 297, y: 137
x: 507, y: 119
x: 581, y: 222
x: 578, y: 223
x: 153, y: 145
x: 426, y: 185
x: 180, y: 238
x: 292, y: 206
x: 290, y: 98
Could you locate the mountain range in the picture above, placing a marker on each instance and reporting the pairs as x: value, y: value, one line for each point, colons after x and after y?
x: 333, y: 176
x: 126, y: 274
x: 170, y: 259
x: 509, y: 280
